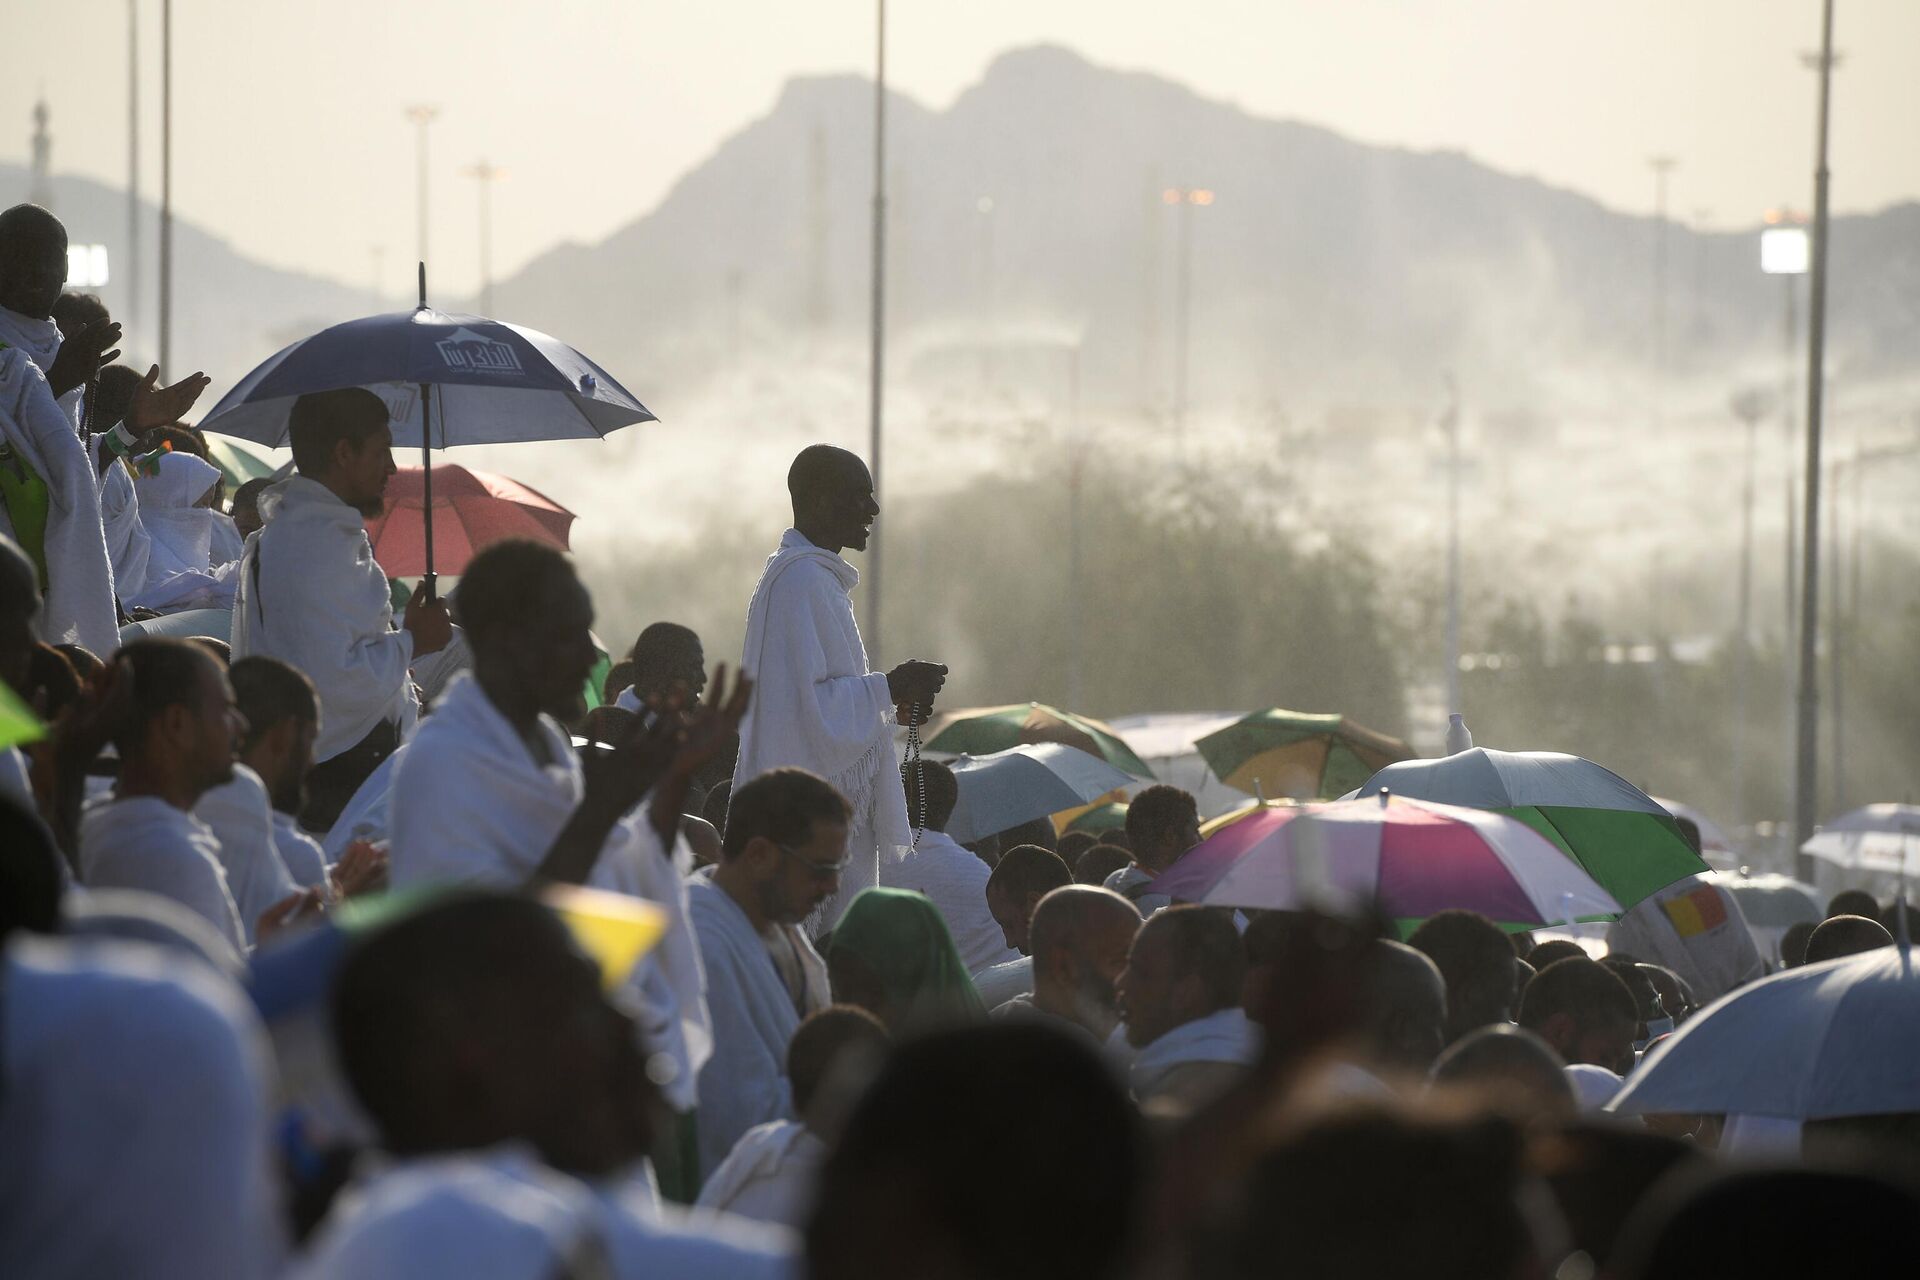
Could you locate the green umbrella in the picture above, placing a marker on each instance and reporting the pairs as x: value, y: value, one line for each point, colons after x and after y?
x: 1621, y: 835
x: 981, y: 731
x: 18, y: 724
x: 239, y: 460
x: 1100, y: 819
x: 1298, y: 755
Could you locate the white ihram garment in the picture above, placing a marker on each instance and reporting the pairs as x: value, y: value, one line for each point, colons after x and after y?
x: 40, y: 432
x: 769, y: 1175
x: 145, y: 843
x: 311, y: 594
x: 817, y: 707
x: 470, y: 803
x: 241, y: 819
x: 956, y: 882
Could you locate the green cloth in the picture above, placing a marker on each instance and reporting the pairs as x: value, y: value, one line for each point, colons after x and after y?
x: 901, y: 937
x: 24, y: 494
x: 18, y: 724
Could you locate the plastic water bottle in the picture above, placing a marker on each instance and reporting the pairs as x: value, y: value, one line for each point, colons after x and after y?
x: 1458, y: 737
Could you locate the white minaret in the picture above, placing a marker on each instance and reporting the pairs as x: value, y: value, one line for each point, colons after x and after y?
x: 42, y: 191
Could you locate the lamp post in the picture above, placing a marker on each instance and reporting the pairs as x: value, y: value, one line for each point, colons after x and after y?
x: 1075, y: 476
x: 877, y: 316
x: 485, y: 175
x: 1785, y: 252
x: 133, y: 162
x: 422, y: 116
x: 1806, y: 774
x: 1450, y: 423
x: 166, y: 185
x: 1748, y: 406
x: 1661, y: 166
x: 1188, y: 198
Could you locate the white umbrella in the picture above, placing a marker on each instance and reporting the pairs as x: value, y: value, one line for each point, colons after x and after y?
x: 1024, y: 782
x: 1879, y: 837
x: 1825, y: 1040
x: 1713, y: 838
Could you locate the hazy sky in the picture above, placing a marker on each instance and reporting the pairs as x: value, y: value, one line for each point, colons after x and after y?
x: 291, y: 143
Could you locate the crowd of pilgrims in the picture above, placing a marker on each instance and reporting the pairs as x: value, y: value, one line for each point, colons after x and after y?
x: 284, y: 991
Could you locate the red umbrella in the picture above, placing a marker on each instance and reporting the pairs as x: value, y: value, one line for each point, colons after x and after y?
x: 471, y: 510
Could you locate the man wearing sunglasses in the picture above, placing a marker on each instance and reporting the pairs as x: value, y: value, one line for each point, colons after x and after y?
x: 783, y: 856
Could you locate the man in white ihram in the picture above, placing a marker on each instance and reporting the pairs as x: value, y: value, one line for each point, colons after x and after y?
x: 816, y: 706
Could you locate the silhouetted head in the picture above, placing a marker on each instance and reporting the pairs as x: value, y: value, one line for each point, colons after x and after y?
x: 1185, y: 964
x: 530, y: 623
x: 1793, y: 943
x: 1163, y: 822
x: 341, y: 439
x: 477, y: 1021
x: 1777, y: 1224
x: 1853, y: 902
x: 942, y: 791
x: 1554, y: 949
x: 1509, y: 1068
x: 246, y: 505
x: 1584, y: 1011
x: 73, y: 312
x: 1406, y: 1016
x: 282, y: 712
x: 33, y: 260
x: 1600, y: 1171
x: 1080, y: 937
x: 1022, y: 877
x: 1846, y: 936
x: 1375, y: 1193
x: 1475, y: 958
x: 833, y: 500
x: 830, y: 1061
x: 1072, y: 844
x: 1099, y: 862
x: 1003, y: 1152
x: 668, y: 656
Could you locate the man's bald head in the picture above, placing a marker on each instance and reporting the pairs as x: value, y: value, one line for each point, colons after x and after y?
x: 33, y: 260
x: 1406, y: 1006
x: 1068, y: 916
x: 1846, y: 936
x: 832, y: 492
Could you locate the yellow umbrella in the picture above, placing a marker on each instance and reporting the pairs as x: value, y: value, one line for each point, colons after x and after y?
x: 611, y: 927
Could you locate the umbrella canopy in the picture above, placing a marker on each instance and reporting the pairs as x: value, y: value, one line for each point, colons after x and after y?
x: 983, y: 730
x: 1025, y: 782
x: 1413, y: 858
x: 494, y: 383
x: 1617, y: 832
x: 1879, y: 837
x: 1293, y: 753
x: 1713, y: 839
x: 471, y: 510
x: 1100, y: 819
x: 1820, y: 1041
x: 240, y: 460
x: 1772, y: 901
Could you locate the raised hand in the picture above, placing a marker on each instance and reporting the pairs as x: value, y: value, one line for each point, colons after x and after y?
x: 282, y: 914
x: 361, y: 869
x: 155, y: 406
x: 702, y: 735
x: 82, y: 354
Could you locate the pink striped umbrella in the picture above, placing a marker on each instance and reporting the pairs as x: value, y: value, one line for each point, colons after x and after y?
x: 472, y: 510
x: 1414, y: 858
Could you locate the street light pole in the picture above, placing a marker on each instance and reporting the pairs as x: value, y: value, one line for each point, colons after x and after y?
x: 1450, y: 422
x: 1186, y: 198
x: 422, y: 116
x: 133, y: 163
x: 1806, y: 755
x: 485, y: 175
x: 1075, y: 476
x: 1749, y: 407
x: 1662, y: 166
x: 166, y: 186
x: 877, y: 317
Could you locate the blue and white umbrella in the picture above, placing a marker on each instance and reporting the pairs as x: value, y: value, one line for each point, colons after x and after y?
x: 1032, y: 780
x: 1817, y: 1042
x: 446, y: 380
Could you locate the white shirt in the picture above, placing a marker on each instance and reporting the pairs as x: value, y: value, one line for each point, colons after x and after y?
x: 769, y: 1175
x: 955, y: 881
x: 145, y: 843
x: 240, y: 817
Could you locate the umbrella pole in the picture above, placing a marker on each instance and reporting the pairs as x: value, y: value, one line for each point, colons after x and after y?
x: 426, y: 453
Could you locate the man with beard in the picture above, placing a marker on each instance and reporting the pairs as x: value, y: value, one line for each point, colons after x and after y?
x: 783, y: 856
x: 175, y: 743
x: 1080, y: 936
x: 311, y: 594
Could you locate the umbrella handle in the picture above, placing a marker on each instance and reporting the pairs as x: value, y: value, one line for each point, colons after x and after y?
x: 426, y: 478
